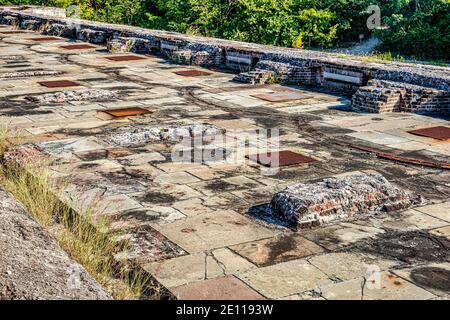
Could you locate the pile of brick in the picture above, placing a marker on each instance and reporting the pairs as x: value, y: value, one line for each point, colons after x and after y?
x: 288, y: 73
x: 30, y: 24
x: 377, y: 100
x: 256, y: 76
x: 339, y: 198
x: 139, y: 136
x: 387, y: 96
x: 93, y: 36
x: 132, y: 44
x: 11, y: 58
x: 76, y: 95
x: 59, y: 29
x: 120, y: 45
x: 27, y: 74
x: 181, y: 57
x: 10, y: 20
x: 24, y: 154
x: 195, y: 54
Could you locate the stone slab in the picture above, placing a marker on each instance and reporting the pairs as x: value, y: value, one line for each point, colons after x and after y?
x: 285, y: 279
x: 214, y: 230
x: 224, y: 288
x: 278, y: 249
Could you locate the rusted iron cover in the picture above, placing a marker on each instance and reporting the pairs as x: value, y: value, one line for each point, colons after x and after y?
x: 58, y: 83
x: 280, y: 159
x: 13, y: 31
x: 192, y: 73
x: 281, y: 96
x: 126, y: 112
x: 125, y: 58
x: 77, y: 47
x: 44, y: 39
x: 439, y: 132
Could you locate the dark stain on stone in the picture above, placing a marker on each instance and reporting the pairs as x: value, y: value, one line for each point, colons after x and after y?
x: 428, y: 189
x: 333, y: 130
x: 12, y: 66
x: 284, y: 243
x: 264, y: 213
x: 227, y: 116
x: 139, y: 215
x: 157, y: 197
x: 220, y: 185
x: 87, y: 166
x: 409, y: 247
x: 432, y: 277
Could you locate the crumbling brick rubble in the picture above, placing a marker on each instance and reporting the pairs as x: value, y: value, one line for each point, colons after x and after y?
x: 75, y: 95
x: 11, y: 58
x: 169, y: 134
x: 30, y: 24
x: 26, y: 74
x: 94, y: 36
x: 257, y: 76
x: 24, y: 154
x: 387, y: 96
x: 267, y: 71
x: 339, y: 198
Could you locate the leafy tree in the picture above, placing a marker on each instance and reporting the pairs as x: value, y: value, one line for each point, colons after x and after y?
x: 418, y: 28
x: 318, y: 27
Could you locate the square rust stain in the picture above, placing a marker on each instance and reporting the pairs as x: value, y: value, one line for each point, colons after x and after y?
x: 126, y: 112
x: 280, y: 159
x: 192, y: 73
x: 58, y: 83
x: 281, y: 96
x: 125, y: 58
x: 44, y: 39
x: 77, y: 47
x: 438, y: 132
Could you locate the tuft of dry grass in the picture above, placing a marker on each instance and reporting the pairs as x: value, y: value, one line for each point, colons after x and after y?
x: 84, y: 241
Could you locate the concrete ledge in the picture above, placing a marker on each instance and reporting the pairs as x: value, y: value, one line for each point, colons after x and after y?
x: 33, y: 266
x: 340, y: 198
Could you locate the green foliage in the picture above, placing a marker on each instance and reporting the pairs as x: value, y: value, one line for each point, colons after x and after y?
x: 414, y: 28
x: 420, y: 29
x: 318, y: 26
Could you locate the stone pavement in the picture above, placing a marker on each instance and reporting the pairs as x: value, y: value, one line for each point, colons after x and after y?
x: 203, y: 228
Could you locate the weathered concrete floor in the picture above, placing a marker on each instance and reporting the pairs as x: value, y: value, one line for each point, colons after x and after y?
x: 199, y: 227
x: 33, y: 266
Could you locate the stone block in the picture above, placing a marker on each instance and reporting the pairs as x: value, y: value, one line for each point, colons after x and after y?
x: 339, y: 198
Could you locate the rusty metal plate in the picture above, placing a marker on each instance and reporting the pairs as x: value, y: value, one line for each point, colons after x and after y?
x: 126, y: 112
x: 280, y: 159
x: 192, y: 73
x: 44, y: 39
x: 58, y: 83
x: 77, y: 47
x: 438, y: 132
x: 13, y: 31
x: 125, y: 58
x: 281, y: 96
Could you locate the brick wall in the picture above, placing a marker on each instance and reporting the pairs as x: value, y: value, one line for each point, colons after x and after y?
x: 384, y: 96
